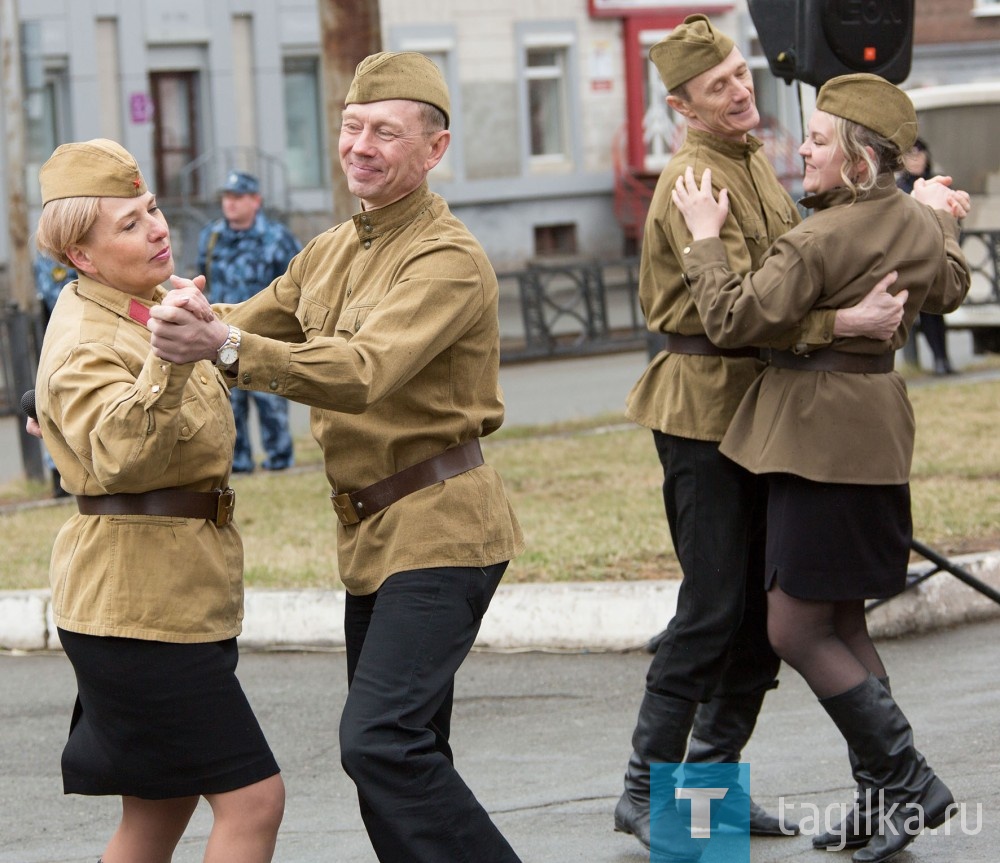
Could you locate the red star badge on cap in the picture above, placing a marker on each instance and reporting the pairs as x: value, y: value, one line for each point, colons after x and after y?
x: 136, y: 182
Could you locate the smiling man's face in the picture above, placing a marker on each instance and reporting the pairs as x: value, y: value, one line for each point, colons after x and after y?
x: 721, y: 100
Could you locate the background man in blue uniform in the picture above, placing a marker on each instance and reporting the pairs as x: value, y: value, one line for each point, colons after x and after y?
x: 50, y: 278
x: 240, y: 255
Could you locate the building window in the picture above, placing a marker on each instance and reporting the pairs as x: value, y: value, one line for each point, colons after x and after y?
x: 304, y: 157
x: 175, y: 132
x: 662, y: 128
x: 46, y: 105
x: 546, y: 76
x: 548, y: 103
x: 555, y: 240
x: 986, y: 7
x: 44, y: 127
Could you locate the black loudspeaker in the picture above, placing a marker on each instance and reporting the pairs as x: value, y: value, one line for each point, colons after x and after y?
x: 815, y: 40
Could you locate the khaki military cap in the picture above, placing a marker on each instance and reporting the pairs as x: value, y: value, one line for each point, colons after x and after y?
x: 690, y: 49
x: 91, y: 169
x: 402, y: 75
x: 872, y: 102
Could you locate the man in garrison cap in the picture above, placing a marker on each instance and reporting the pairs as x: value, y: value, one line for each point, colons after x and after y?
x: 387, y: 326
x: 713, y: 663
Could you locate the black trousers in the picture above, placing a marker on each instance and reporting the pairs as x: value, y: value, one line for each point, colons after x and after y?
x: 935, y: 331
x: 716, y: 643
x: 405, y: 642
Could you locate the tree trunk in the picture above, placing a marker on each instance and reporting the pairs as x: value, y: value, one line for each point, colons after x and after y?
x: 350, y: 30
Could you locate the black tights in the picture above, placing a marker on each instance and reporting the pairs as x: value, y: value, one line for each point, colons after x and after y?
x: 826, y: 642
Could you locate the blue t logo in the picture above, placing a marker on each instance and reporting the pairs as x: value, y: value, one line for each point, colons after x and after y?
x: 700, y: 812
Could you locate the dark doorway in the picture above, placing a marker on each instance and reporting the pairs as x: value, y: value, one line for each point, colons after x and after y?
x: 175, y: 131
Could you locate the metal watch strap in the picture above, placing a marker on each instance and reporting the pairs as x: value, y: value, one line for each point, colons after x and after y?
x: 233, y: 340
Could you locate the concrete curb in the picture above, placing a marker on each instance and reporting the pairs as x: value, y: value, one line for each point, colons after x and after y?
x: 574, y: 616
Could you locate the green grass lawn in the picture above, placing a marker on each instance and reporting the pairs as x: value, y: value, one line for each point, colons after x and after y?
x: 587, y: 495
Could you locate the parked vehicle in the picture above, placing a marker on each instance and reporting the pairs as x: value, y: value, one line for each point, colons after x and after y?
x: 961, y: 124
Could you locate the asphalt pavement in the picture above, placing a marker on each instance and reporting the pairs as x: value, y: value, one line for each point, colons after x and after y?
x: 542, y: 739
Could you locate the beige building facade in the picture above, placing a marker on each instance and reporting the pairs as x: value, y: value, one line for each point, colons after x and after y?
x: 556, y: 107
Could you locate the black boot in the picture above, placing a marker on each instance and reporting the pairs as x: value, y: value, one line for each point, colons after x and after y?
x: 721, y: 729
x: 879, y: 734
x: 660, y: 736
x: 859, y: 823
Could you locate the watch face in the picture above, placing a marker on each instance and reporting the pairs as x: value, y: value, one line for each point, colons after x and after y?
x: 228, y: 355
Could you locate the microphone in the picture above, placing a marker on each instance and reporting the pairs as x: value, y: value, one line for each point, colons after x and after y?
x: 28, y: 404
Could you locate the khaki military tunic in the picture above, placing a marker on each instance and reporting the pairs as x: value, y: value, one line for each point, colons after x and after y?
x: 830, y: 426
x: 117, y: 419
x: 696, y: 396
x: 387, y: 326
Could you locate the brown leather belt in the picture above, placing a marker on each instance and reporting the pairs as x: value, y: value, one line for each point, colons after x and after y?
x: 216, y: 506
x: 675, y: 343
x: 353, y: 506
x: 829, y: 360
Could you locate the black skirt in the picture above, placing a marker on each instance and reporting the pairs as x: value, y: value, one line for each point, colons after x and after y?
x: 158, y: 720
x: 833, y: 541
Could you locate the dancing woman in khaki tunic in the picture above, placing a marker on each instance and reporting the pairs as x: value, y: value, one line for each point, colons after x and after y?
x: 147, y: 578
x: 833, y: 430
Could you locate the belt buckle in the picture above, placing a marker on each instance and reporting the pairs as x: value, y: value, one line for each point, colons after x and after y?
x: 225, y: 507
x: 344, y: 507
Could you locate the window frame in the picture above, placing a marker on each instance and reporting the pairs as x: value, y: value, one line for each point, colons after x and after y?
x: 321, y: 175
x: 562, y: 38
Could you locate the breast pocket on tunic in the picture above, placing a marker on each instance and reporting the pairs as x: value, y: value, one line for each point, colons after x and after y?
x: 206, y: 431
x: 193, y: 416
x: 352, y: 319
x: 787, y: 219
x: 312, y: 316
x: 755, y: 236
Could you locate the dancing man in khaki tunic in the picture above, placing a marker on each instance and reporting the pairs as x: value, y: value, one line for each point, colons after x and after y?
x: 387, y: 326
x: 713, y: 664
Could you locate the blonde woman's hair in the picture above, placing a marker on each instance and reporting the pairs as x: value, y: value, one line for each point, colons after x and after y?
x: 853, y: 139
x: 65, y: 222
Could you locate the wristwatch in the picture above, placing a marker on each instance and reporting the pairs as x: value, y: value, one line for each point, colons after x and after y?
x: 229, y: 353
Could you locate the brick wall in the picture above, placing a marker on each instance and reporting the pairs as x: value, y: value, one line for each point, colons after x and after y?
x: 941, y: 21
